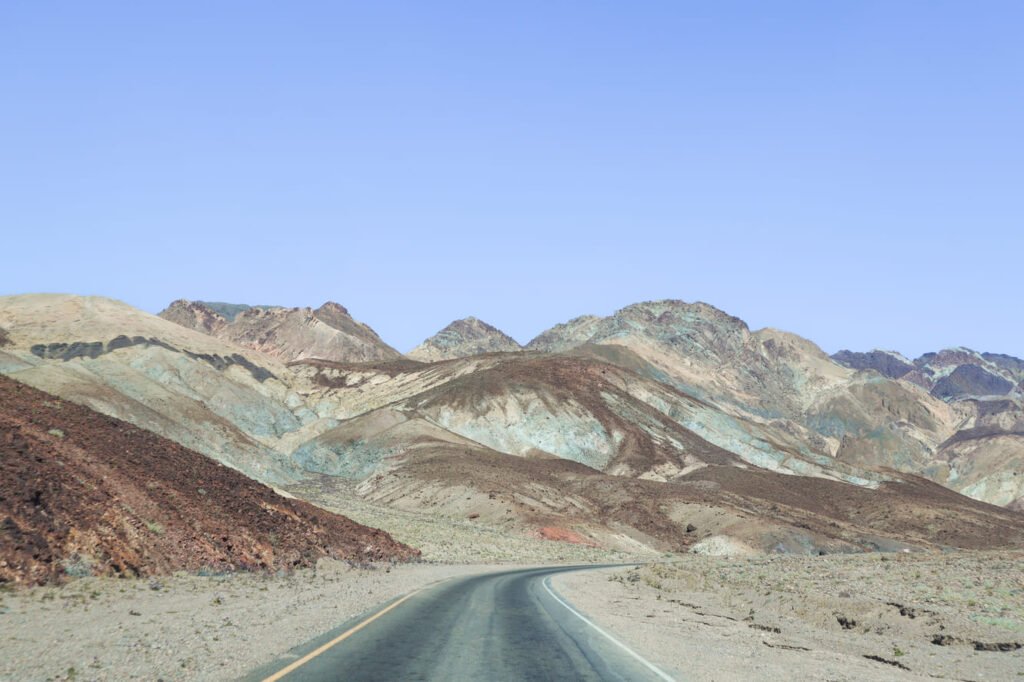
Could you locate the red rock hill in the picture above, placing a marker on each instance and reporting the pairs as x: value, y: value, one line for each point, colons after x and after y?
x: 82, y: 493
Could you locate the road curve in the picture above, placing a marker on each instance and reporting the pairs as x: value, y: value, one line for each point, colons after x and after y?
x: 500, y: 626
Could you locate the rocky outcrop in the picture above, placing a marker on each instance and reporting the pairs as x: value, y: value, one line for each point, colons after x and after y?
x: 1015, y: 366
x: 328, y: 332
x: 950, y: 374
x: 463, y: 338
x: 197, y: 315
x: 86, y: 494
x: 971, y: 380
x: 567, y: 335
x: 887, y: 363
x: 94, y: 349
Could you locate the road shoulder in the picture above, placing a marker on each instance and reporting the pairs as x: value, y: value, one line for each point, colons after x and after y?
x: 188, y: 627
x: 857, y: 617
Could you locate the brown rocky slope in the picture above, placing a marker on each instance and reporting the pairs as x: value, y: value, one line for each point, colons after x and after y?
x: 82, y: 493
x: 567, y: 447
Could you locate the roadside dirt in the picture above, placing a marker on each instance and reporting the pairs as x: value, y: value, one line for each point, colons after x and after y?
x: 188, y: 627
x: 957, y: 616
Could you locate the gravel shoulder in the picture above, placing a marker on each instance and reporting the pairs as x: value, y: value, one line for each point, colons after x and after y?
x: 856, y: 617
x: 956, y: 616
x: 188, y: 627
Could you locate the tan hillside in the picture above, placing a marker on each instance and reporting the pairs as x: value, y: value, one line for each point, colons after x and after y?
x: 327, y: 332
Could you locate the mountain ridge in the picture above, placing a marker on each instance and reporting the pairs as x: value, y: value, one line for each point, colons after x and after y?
x: 667, y: 400
x: 462, y: 338
x: 328, y: 332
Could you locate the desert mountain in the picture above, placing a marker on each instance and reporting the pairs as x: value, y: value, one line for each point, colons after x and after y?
x: 953, y: 373
x: 575, y: 447
x: 710, y: 354
x: 567, y: 335
x: 672, y: 415
x: 81, y: 493
x: 328, y: 332
x: 920, y: 421
x: 983, y: 455
x: 887, y: 363
x: 463, y: 338
x: 209, y: 395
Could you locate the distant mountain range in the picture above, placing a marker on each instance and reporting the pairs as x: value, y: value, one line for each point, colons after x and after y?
x: 330, y: 333
x: 949, y: 374
x: 626, y: 430
x: 287, y: 333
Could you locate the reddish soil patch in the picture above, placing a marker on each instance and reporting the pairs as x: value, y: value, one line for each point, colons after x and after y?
x: 82, y: 493
x: 564, y: 535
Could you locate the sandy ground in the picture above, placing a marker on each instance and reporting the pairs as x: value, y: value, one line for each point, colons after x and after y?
x: 801, y: 618
x: 188, y: 627
x: 954, y: 616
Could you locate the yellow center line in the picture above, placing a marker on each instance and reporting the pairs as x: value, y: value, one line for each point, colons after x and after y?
x: 340, y: 638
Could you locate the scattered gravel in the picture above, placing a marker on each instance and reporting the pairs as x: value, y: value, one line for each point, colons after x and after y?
x: 953, y: 616
x: 187, y: 627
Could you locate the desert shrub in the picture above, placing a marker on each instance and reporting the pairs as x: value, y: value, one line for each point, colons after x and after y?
x: 78, y: 566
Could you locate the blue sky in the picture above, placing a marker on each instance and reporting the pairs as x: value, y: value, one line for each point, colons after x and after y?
x: 850, y: 171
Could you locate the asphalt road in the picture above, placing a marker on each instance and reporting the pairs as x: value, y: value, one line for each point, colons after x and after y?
x: 501, y: 626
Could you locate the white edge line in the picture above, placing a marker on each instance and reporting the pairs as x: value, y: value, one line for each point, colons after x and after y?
x: 653, y: 668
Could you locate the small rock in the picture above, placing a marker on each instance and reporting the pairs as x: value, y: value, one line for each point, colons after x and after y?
x: 997, y: 646
x: 847, y: 623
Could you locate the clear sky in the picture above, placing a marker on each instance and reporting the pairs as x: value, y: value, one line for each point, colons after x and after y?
x: 850, y: 171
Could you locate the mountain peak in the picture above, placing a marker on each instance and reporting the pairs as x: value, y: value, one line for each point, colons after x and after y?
x: 673, y: 312
x: 566, y: 335
x: 332, y: 307
x: 472, y: 325
x: 285, y: 332
x: 196, y: 315
x: 887, y: 363
x: 462, y: 338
